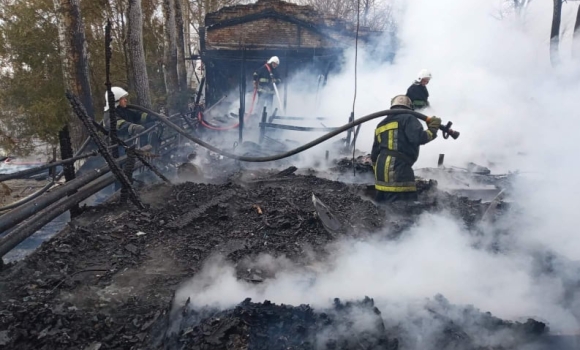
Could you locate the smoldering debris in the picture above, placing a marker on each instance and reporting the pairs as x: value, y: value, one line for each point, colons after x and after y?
x: 350, y: 325
x: 100, y: 283
x: 344, y: 326
x: 438, y: 324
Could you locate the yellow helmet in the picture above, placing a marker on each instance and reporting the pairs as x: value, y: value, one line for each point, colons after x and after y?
x: 401, y: 100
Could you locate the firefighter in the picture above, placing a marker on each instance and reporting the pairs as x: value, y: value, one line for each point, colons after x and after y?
x: 417, y: 92
x: 264, y: 79
x: 396, y: 149
x: 129, y: 122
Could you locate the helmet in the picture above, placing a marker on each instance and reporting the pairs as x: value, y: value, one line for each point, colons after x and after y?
x: 401, y: 101
x: 274, y: 59
x: 423, y: 74
x: 118, y: 93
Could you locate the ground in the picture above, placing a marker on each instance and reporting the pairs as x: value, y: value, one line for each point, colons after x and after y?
x: 14, y: 190
x: 108, y: 281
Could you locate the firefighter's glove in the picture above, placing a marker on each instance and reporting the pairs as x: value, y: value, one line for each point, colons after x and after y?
x: 135, y: 129
x: 433, y: 124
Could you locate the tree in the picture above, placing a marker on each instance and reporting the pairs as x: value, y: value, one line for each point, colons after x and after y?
x: 520, y: 5
x: 200, y: 8
x: 170, y: 54
x: 138, y: 66
x: 75, y: 70
x: 575, y: 36
x: 181, y: 71
x: 375, y: 14
x: 555, y: 32
x: 511, y: 7
x: 33, y: 108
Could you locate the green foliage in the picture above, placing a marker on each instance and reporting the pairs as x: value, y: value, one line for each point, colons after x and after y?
x: 31, y: 103
x: 32, y: 100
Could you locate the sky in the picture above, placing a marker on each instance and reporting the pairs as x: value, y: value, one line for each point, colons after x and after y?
x: 492, y: 77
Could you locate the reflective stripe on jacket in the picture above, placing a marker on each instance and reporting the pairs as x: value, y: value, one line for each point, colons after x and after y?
x: 395, y: 150
x: 125, y: 116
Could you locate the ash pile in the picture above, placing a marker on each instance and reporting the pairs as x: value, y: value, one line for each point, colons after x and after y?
x: 350, y: 325
x: 107, y: 280
x: 345, y: 326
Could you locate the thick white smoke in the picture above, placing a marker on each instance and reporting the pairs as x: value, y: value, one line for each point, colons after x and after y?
x: 494, y: 80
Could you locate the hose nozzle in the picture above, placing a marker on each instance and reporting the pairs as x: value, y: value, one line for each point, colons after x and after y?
x: 447, y: 131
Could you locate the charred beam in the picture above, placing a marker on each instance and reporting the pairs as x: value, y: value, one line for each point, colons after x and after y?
x: 36, y: 222
x: 296, y: 128
x: 17, y: 215
x: 137, y: 154
x: 23, y: 173
x: 66, y: 152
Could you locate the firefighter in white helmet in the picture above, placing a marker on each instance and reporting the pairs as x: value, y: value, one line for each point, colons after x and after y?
x: 264, y: 78
x: 129, y: 122
x: 418, y: 92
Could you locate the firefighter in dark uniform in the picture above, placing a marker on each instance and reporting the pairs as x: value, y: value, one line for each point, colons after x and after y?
x: 418, y: 92
x: 396, y: 149
x: 264, y: 77
x: 129, y: 122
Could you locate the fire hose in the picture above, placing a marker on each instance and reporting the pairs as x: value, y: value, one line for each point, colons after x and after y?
x: 447, y: 131
x: 209, y: 126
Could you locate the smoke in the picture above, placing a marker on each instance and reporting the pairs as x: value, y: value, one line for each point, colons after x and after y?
x: 492, y: 77
x: 435, y: 257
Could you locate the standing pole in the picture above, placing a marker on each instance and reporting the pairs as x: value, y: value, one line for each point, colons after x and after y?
x: 286, y: 80
x: 349, y: 132
x: 110, y: 95
x: 242, y: 110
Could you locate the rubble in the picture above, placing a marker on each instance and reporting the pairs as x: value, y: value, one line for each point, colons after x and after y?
x: 269, y: 326
x: 102, y: 284
x: 346, y: 325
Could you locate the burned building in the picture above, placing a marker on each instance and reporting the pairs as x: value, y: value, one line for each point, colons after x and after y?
x: 236, y: 40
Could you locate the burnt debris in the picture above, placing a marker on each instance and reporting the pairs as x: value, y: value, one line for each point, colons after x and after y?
x: 108, y: 280
x: 268, y: 326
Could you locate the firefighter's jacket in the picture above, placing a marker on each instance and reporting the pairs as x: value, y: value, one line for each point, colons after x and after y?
x: 419, y: 95
x: 395, y: 150
x: 263, y: 76
x: 125, y: 117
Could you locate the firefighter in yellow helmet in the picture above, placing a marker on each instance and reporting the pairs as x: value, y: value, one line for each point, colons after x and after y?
x: 396, y: 149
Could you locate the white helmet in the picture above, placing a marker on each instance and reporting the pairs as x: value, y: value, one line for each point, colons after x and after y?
x: 274, y: 59
x: 423, y: 74
x: 118, y: 93
x: 401, y: 100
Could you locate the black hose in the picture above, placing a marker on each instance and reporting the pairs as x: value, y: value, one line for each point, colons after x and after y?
x: 290, y: 153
